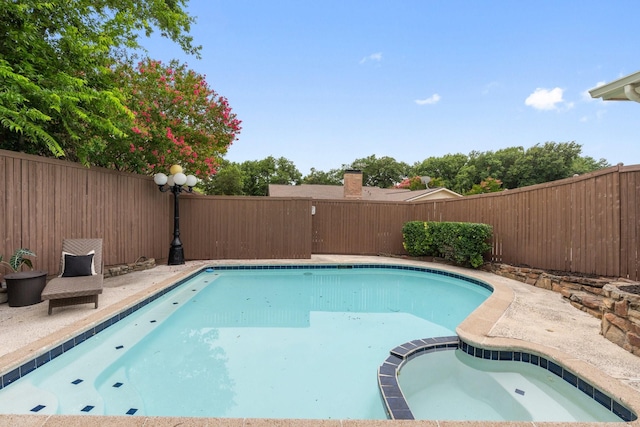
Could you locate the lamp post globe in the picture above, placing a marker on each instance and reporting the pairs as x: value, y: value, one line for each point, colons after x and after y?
x: 191, y: 180
x: 180, y: 178
x: 160, y: 179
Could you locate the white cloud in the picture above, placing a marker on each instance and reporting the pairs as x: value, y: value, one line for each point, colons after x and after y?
x: 599, y: 115
x: 376, y: 57
x: 433, y: 99
x: 489, y: 87
x: 545, y: 99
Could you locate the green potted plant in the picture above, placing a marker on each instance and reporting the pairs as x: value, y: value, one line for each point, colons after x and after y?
x: 23, y: 287
x: 18, y: 259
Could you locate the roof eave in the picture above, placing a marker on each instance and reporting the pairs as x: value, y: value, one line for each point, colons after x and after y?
x: 435, y: 191
x: 614, y: 91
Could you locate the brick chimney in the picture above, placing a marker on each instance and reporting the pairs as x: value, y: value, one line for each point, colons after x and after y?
x: 353, y: 184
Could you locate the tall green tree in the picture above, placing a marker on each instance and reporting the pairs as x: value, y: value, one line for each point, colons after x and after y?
x: 258, y: 174
x: 507, y: 157
x: 228, y: 181
x: 587, y: 164
x: 547, y: 162
x: 383, y: 172
x: 513, y: 166
x: 285, y: 171
x: 333, y: 177
x: 446, y: 168
x: 54, y: 68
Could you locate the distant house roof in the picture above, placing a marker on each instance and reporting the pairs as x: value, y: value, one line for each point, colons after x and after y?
x: 624, y: 89
x: 316, y: 191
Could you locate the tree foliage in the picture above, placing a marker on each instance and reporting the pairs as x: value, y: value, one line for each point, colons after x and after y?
x: 478, y: 172
x: 381, y: 172
x: 256, y: 175
x: 56, y: 94
x: 252, y: 177
x: 333, y: 177
x: 489, y: 185
x: 514, y: 167
x: 446, y: 168
x: 178, y: 118
x: 544, y: 163
x: 413, y: 184
x: 228, y: 181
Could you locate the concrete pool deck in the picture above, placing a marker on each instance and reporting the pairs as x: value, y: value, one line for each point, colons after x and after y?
x: 516, y: 316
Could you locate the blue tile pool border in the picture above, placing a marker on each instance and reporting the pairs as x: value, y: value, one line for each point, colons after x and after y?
x: 354, y: 266
x: 15, y: 374
x: 396, y: 405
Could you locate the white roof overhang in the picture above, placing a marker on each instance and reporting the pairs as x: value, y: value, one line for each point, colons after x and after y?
x: 624, y: 89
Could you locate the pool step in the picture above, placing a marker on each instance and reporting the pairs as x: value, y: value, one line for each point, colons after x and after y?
x: 77, y: 396
x: 29, y: 399
x: 76, y: 387
x: 122, y: 396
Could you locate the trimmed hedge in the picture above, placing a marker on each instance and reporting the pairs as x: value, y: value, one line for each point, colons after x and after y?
x: 463, y: 243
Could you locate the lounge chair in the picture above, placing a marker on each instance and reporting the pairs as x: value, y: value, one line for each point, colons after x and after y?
x: 80, y: 280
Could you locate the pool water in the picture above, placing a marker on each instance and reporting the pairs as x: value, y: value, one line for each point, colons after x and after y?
x: 492, y: 390
x: 302, y: 343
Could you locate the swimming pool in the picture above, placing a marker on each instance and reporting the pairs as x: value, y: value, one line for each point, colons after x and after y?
x: 227, y: 344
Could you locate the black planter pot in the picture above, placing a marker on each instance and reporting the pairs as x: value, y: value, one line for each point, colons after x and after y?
x: 25, y: 287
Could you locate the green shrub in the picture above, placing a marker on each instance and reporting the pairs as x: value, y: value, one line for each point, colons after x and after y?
x: 460, y: 242
x: 412, y: 233
x: 417, y: 239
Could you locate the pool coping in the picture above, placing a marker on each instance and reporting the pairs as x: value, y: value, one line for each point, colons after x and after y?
x: 475, y: 330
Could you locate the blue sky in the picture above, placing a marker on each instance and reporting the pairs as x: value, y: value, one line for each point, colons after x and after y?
x: 325, y: 82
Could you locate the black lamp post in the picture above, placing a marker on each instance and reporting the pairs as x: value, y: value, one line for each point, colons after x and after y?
x: 175, y: 183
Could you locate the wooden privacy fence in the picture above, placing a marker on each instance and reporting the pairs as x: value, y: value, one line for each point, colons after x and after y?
x: 227, y: 227
x: 359, y: 227
x: 43, y: 201
x: 586, y: 224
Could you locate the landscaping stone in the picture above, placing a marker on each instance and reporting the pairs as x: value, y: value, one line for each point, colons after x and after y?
x: 140, y: 265
x: 615, y: 301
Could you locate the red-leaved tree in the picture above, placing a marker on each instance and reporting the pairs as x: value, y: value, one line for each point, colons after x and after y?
x: 412, y: 184
x: 178, y: 118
